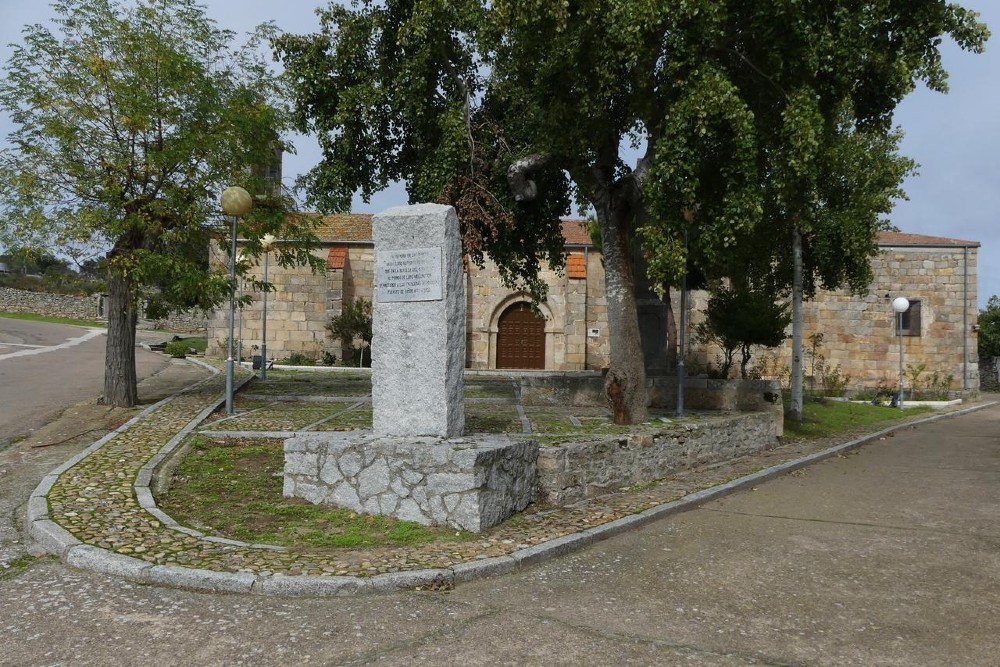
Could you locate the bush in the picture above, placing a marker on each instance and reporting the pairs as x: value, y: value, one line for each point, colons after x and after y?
x: 298, y: 359
x: 354, y: 323
x: 177, y: 349
x: 738, y: 319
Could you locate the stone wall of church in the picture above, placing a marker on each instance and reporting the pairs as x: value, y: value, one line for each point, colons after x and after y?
x: 859, y: 333
x: 302, y: 303
x: 575, y: 312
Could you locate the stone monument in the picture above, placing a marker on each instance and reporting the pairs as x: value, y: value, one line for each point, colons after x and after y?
x: 415, y: 464
x: 418, y: 323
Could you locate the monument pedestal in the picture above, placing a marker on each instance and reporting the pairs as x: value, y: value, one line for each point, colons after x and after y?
x: 415, y: 464
x: 465, y: 483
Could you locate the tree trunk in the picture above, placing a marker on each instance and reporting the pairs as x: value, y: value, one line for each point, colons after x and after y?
x: 119, y: 360
x: 795, y: 409
x: 625, y: 385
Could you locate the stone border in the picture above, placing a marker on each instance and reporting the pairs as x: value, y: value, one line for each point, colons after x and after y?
x: 55, y: 539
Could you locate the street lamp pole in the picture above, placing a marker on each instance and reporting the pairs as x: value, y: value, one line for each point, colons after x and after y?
x: 899, y: 306
x: 236, y: 202
x: 266, y: 242
x: 239, y: 336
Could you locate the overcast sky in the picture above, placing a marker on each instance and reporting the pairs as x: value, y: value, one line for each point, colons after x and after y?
x: 954, y: 137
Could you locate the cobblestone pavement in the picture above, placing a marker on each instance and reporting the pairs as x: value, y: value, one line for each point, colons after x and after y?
x: 96, y: 501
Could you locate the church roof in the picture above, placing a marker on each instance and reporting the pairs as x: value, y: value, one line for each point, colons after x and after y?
x: 357, y: 228
x: 921, y: 240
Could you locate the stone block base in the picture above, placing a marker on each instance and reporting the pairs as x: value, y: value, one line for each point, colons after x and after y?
x: 468, y: 483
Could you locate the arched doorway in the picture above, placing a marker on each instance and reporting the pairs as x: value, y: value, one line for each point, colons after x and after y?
x: 520, y: 338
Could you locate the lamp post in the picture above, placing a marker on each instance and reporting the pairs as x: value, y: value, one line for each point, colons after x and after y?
x: 239, y: 322
x: 899, y: 306
x: 236, y: 202
x: 266, y: 242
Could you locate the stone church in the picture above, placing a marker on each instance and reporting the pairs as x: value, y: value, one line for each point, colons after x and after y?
x: 568, y: 332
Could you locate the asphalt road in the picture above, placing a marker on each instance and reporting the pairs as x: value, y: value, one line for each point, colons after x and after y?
x: 889, y: 556
x: 44, y: 368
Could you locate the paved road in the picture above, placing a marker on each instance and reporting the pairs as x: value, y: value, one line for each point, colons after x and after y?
x: 45, y: 368
x: 884, y: 557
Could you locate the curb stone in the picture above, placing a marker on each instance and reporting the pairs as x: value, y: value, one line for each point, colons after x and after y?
x: 88, y: 557
x: 55, y: 539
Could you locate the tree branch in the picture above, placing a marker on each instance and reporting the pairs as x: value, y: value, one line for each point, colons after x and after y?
x: 521, y: 186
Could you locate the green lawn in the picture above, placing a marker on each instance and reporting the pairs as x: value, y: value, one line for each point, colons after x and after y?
x: 54, y: 320
x: 233, y: 487
x: 826, y: 418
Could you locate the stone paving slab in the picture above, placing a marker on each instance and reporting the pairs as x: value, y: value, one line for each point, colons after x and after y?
x: 97, y: 512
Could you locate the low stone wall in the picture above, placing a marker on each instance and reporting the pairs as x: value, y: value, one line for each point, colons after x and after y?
x: 587, y: 389
x: 89, y: 308
x: 53, y: 305
x: 573, y: 471
x: 460, y: 482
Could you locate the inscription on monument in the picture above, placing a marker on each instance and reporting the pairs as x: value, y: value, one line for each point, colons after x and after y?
x: 408, y: 275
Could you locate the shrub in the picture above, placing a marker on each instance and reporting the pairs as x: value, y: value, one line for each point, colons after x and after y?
x: 177, y: 349
x: 834, y: 382
x: 298, y: 359
x: 738, y: 320
x: 354, y: 322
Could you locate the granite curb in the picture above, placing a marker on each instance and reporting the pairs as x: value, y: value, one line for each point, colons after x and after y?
x: 55, y: 539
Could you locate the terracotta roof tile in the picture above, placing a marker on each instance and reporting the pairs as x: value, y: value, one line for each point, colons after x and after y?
x: 576, y: 265
x: 903, y: 239
x: 575, y: 232
x: 337, y: 257
x: 345, y: 227
x: 357, y: 227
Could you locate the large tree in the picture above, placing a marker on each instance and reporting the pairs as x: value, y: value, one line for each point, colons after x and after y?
x: 130, y: 118
x: 816, y: 87
x: 747, y: 120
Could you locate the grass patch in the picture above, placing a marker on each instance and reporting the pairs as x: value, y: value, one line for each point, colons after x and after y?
x: 34, y: 317
x: 826, y: 418
x: 232, y: 487
x: 199, y: 343
x: 491, y: 418
x: 12, y: 568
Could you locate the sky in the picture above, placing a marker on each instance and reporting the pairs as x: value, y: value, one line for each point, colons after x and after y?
x: 955, y: 138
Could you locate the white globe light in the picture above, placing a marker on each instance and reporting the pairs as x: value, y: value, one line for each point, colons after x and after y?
x: 900, y: 304
x: 236, y: 201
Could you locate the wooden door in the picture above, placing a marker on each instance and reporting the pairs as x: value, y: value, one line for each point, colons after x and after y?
x: 520, y: 338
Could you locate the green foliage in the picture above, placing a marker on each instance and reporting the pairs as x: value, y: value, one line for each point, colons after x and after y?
x: 353, y: 323
x: 54, y: 283
x: 935, y: 387
x: 298, y: 359
x: 740, y: 318
x: 9, y: 569
x: 989, y: 329
x: 35, y: 317
x: 130, y: 119
x: 178, y: 349
x: 834, y: 381
x: 771, y: 366
x: 754, y: 120
x: 824, y: 418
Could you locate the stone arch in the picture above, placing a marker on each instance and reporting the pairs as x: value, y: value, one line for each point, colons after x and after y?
x: 513, y: 303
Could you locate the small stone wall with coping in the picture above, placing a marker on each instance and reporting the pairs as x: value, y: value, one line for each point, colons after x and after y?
x: 53, y: 305
x: 573, y: 471
x: 89, y: 308
x: 465, y: 483
x: 587, y: 389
